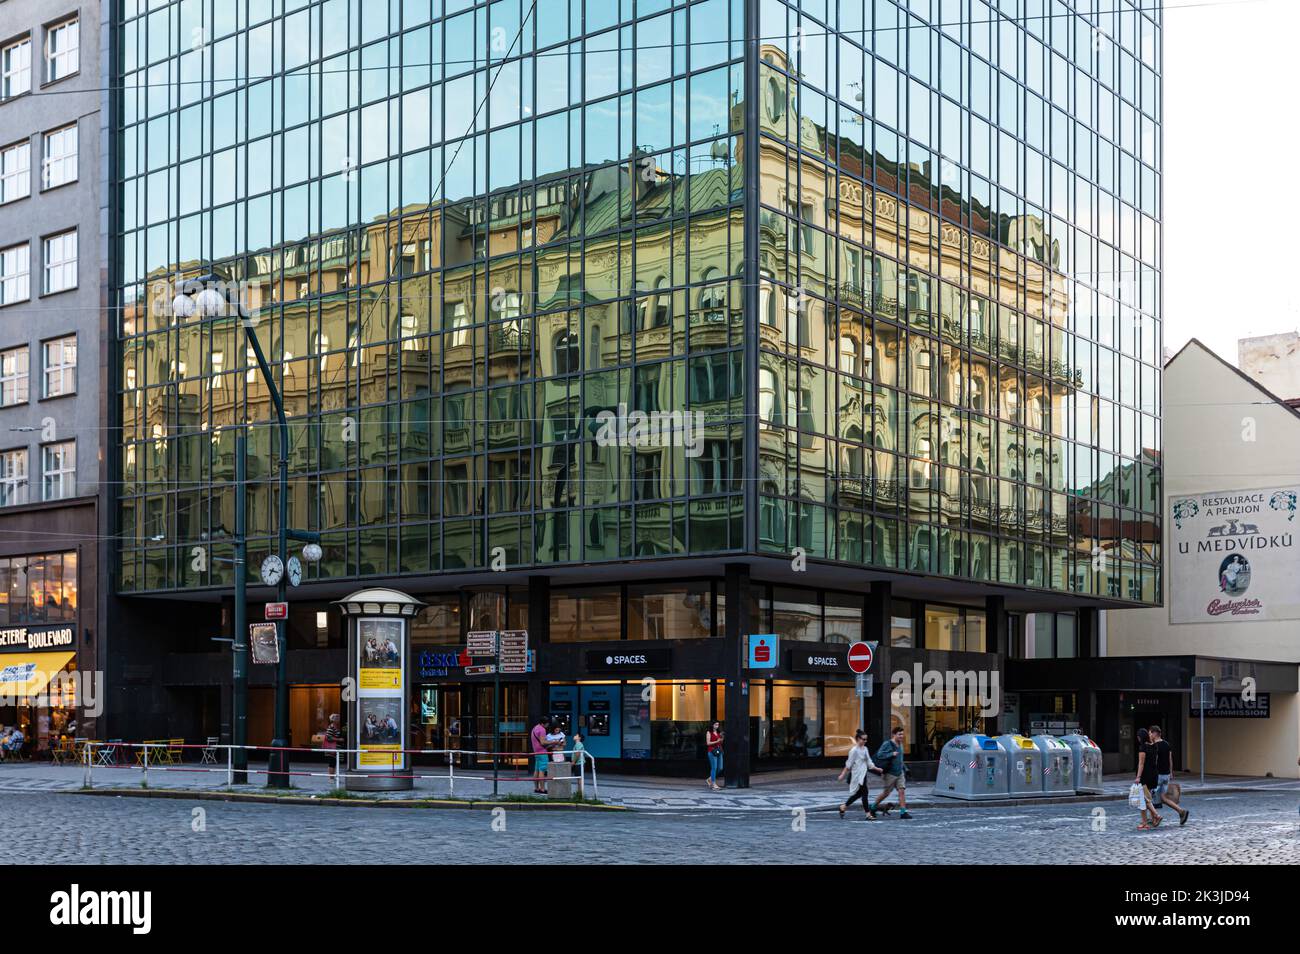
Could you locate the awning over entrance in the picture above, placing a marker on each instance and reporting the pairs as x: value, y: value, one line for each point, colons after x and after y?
x: 23, y: 675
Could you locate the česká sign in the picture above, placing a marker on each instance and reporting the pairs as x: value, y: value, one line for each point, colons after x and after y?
x: 1233, y: 556
x: 23, y: 638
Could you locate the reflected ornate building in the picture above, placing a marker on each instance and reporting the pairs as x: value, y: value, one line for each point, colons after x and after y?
x: 921, y: 332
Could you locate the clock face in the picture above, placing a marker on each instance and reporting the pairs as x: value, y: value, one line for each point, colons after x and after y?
x: 295, y: 571
x: 272, y: 570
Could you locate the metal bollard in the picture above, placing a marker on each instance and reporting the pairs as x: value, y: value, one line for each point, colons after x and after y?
x: 230, y: 767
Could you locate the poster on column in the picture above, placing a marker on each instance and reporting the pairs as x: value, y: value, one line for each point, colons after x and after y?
x: 380, y: 712
x: 1233, y: 556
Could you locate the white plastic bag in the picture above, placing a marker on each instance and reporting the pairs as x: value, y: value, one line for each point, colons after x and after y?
x: 1135, y: 797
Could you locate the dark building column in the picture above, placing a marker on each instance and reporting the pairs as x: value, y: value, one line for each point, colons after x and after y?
x: 998, y: 637
x: 736, y: 745
x: 995, y: 611
x: 879, y: 612
x: 1089, y: 632
x: 539, y: 634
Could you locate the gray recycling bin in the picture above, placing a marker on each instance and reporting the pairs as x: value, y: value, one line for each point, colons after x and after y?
x: 1058, y: 776
x: 1024, y: 766
x: 972, y: 767
x: 1087, y: 764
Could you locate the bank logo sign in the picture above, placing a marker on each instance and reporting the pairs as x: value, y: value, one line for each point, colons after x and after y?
x: 1233, y: 556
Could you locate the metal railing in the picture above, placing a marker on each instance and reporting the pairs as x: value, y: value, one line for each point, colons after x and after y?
x: 116, y: 756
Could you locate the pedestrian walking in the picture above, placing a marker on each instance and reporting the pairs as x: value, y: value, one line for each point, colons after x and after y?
x: 857, y: 766
x: 1163, y: 795
x: 890, y: 759
x: 1147, y: 779
x: 713, y: 749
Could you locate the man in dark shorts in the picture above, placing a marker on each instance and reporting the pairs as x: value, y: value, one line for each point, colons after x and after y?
x: 1164, y: 774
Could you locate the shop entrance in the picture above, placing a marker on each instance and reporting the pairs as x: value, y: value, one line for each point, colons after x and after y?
x: 458, y: 717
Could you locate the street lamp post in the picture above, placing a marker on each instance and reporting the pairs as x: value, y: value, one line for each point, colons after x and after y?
x: 207, y: 296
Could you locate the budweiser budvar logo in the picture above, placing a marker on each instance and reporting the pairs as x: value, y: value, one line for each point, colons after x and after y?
x: 1235, y: 607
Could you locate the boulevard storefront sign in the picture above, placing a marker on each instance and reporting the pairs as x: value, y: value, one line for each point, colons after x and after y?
x: 1233, y: 556
x: 21, y: 638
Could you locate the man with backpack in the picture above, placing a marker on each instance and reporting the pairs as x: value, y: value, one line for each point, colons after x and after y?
x: 890, y: 759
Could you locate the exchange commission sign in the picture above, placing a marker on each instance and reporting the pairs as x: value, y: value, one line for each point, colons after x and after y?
x: 1233, y: 556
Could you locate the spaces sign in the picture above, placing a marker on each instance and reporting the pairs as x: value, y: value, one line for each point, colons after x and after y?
x: 1233, y: 556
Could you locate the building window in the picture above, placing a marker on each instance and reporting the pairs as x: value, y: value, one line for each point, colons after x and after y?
x: 41, y: 588
x: 16, y: 68
x: 62, y: 50
x: 59, y: 470
x: 13, y: 376
x: 1053, y: 636
x: 568, y: 357
x: 60, y: 262
x: 15, y: 265
x: 13, y: 477
x: 59, y: 359
x: 59, y: 161
x: 15, y: 171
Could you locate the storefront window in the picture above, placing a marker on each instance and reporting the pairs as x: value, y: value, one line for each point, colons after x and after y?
x: 942, y: 723
x: 901, y: 625
x: 41, y: 588
x: 796, y: 614
x: 310, y: 708
x: 796, y: 721
x: 679, y: 715
x: 976, y: 631
x: 843, y: 618
x: 438, y: 624
x: 843, y: 718
x: 901, y: 716
x: 942, y: 628
x: 656, y: 611
x: 586, y: 615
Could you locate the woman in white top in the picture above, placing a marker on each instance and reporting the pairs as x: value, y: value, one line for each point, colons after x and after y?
x: 555, y: 742
x: 857, y: 765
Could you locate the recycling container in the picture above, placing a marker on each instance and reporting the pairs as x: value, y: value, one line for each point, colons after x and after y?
x: 1058, y: 776
x: 1024, y: 766
x: 1087, y: 764
x: 972, y: 768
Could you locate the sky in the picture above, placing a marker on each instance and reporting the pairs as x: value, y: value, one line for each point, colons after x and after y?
x: 1232, y: 171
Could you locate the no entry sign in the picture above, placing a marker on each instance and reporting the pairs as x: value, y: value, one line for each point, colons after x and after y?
x: 860, y: 657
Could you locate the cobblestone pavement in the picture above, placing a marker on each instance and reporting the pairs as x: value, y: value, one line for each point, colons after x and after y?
x: 1252, y: 827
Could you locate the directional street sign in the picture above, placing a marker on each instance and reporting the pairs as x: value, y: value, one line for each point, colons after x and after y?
x: 480, y: 670
x: 481, y: 643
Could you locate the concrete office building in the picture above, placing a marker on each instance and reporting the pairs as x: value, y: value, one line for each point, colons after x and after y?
x: 903, y: 260
x: 51, y: 252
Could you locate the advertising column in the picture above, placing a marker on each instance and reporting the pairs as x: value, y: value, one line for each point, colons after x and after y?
x: 378, y: 646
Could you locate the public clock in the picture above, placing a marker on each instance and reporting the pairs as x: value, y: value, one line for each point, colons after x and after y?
x: 272, y: 570
x: 295, y: 571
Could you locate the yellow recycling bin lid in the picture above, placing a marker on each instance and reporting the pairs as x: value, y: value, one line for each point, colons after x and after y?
x: 27, y: 674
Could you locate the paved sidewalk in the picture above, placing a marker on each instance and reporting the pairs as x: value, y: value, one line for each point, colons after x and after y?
x: 809, y: 789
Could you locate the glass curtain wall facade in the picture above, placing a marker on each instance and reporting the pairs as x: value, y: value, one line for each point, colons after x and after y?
x: 466, y: 229
x: 959, y: 276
